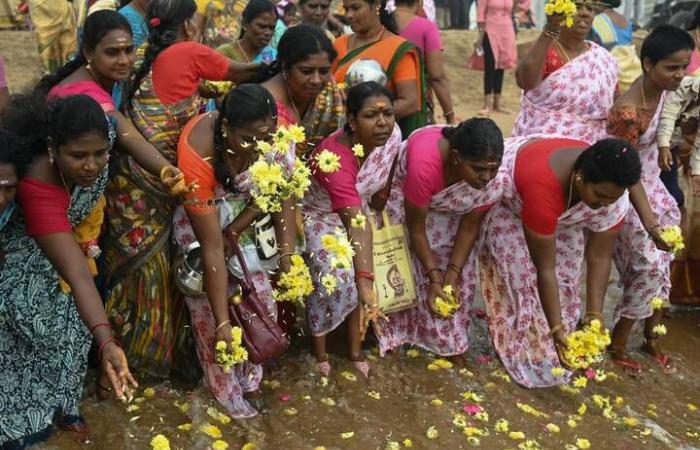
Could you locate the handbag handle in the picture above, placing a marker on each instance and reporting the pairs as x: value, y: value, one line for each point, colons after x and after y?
x: 385, y: 221
x: 233, y: 242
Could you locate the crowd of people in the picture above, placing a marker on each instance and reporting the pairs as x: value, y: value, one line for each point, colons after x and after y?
x: 138, y: 149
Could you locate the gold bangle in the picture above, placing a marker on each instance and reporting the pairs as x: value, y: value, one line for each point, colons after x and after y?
x: 222, y: 324
x: 448, y: 114
x: 554, y: 329
x: 163, y: 169
x: 595, y: 314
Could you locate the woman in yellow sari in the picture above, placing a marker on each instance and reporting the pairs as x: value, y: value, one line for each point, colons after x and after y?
x: 56, y: 31
x: 373, y: 38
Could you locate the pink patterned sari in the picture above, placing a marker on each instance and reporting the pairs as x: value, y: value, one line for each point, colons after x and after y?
x: 573, y: 101
x: 517, y: 323
x: 645, y: 271
x: 418, y: 326
x: 325, y: 312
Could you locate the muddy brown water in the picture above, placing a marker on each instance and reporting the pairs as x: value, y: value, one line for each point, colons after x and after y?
x: 298, y: 418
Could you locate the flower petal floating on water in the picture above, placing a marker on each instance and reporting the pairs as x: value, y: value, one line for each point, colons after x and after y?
x: 374, y: 394
x: 149, y: 392
x: 407, y: 443
x: 219, y: 445
x: 436, y: 402
x: 132, y: 408
x: 160, y: 442
x: 347, y: 435
x: 552, y: 428
x: 530, y: 444
x: 582, y: 409
x: 473, y: 396
x: 210, y: 430
x: 501, y: 426
x: 459, y: 421
x: 348, y: 376
x: 249, y: 446
x: 392, y: 445
x: 691, y: 407
x: 443, y: 363
x: 516, y: 435
x: 328, y: 401
x: 630, y: 421
x: 583, y: 443
x: 482, y: 416
x: 185, y: 427
x: 524, y: 407
x: 472, y: 409
x: 412, y: 353
x: 291, y: 411
x: 217, y: 415
x: 431, y: 433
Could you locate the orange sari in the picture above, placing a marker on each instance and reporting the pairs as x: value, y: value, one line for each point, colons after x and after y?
x: 401, y: 61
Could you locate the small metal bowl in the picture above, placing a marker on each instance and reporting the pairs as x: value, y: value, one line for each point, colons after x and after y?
x: 188, y: 275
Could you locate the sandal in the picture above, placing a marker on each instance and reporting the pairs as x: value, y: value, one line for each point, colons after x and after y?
x: 77, y: 425
x: 629, y: 365
x: 661, y: 359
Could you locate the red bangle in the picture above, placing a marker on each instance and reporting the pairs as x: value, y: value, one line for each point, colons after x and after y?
x: 364, y: 274
x: 102, y: 346
x: 103, y: 324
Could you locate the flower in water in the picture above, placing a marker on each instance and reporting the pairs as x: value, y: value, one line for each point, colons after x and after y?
x: 580, y: 382
x: 516, y: 435
x: 210, y: 430
x: 583, y: 443
x: 347, y: 435
x: 219, y: 445
x: 630, y: 421
x: 348, y: 376
x: 185, y: 427
x: 436, y: 402
x: 552, y: 428
x: 149, y: 392
x: 160, y: 442
x: 501, y: 426
x: 473, y: 440
x: 431, y: 433
x: 582, y: 409
x: 472, y: 409
x: 392, y: 445
x: 327, y: 161
x: 407, y: 443
x: 691, y: 407
x: 412, y: 353
x: 249, y: 446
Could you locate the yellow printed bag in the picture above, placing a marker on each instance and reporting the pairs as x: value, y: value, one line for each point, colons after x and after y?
x: 393, y: 273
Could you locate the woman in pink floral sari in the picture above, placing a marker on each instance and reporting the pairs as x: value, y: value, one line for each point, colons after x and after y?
x: 446, y: 180
x: 215, y: 153
x: 564, y: 204
x: 641, y: 256
x: 335, y: 201
x: 569, y: 83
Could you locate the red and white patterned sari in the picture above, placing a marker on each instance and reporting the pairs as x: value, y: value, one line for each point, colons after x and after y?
x: 517, y: 323
x: 418, y: 326
x: 573, y: 101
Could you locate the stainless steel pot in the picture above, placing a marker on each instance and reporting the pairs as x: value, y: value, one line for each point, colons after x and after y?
x: 189, y: 276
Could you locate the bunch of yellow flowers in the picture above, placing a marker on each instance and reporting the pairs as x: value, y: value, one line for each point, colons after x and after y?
x: 587, y: 346
x: 274, y: 180
x: 218, y: 87
x: 295, y: 284
x: 565, y: 7
x: 447, y: 306
x: 238, y: 354
x: 673, y: 237
x: 340, y: 248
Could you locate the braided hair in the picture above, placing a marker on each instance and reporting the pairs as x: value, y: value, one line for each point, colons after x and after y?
x: 97, y: 26
x: 476, y: 139
x: 164, y: 18
x: 245, y: 104
x: 610, y: 160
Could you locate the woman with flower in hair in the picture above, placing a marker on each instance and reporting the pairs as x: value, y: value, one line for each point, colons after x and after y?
x: 569, y: 83
x: 641, y: 256
x: 563, y: 205
x: 350, y: 169
x: 215, y: 152
x: 46, y: 330
x: 446, y: 180
x: 141, y: 299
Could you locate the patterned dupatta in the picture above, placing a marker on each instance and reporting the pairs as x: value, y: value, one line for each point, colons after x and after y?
x: 574, y: 100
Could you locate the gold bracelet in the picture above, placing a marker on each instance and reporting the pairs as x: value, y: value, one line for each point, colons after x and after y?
x: 554, y: 329
x: 222, y: 324
x: 163, y: 169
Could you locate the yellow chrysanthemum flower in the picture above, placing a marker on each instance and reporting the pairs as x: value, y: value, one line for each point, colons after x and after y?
x: 407, y: 443
x: 431, y: 433
x: 219, y: 445
x: 185, y: 427
x: 210, y: 430
x: 673, y: 237
x: 516, y: 435
x: 564, y: 7
x: 501, y: 426
x: 328, y: 162
x: 583, y: 443
x: 660, y: 329
x: 657, y: 303
x: 149, y: 392
x: 392, y: 445
x: 347, y: 435
x: 329, y: 282
x: 295, y: 284
x: 553, y: 428
x: 358, y: 150
x: 558, y: 372
x: 160, y: 442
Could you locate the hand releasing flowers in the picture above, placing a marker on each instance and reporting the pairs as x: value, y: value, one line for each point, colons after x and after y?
x: 673, y: 237
x: 587, y: 346
x: 238, y: 353
x: 295, y: 284
x: 564, y: 7
x: 447, y: 306
x: 274, y: 179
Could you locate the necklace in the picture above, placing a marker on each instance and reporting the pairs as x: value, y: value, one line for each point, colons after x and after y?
x: 291, y: 102
x: 245, y: 55
x: 371, y: 41
x: 561, y: 47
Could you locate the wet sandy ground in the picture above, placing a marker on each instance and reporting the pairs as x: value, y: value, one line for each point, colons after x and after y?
x: 654, y: 410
